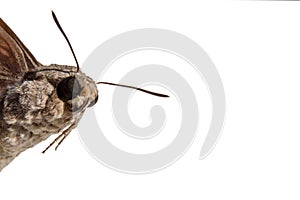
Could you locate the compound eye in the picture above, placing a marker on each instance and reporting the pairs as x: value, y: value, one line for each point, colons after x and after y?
x: 93, y: 102
x: 68, y: 89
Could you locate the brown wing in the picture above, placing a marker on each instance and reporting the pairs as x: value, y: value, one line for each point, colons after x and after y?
x: 15, y: 59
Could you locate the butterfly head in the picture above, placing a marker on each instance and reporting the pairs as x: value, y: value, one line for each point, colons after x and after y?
x: 77, y: 91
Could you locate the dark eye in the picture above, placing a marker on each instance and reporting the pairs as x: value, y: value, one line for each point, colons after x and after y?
x: 94, y: 102
x: 68, y: 89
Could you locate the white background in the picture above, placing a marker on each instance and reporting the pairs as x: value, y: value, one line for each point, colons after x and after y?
x: 255, y: 46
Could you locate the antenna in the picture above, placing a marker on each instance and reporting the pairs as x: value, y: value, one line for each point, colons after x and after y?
x: 136, y: 88
x: 62, y: 31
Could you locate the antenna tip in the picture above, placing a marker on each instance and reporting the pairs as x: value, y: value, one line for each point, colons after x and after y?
x: 53, y: 14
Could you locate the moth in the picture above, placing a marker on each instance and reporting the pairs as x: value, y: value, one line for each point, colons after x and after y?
x: 37, y: 101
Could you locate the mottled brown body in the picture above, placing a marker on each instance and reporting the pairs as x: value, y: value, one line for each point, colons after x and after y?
x: 35, y: 99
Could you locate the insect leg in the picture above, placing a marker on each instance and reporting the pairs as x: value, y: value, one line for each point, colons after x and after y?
x: 63, y: 134
x: 55, y: 140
